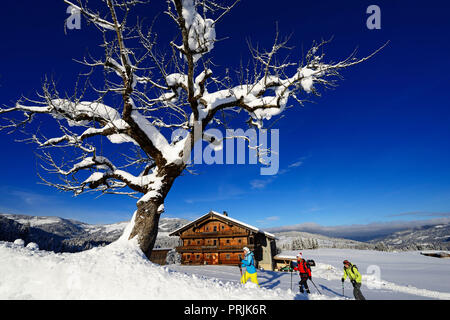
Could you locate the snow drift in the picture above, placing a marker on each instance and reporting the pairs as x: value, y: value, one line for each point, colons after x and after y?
x: 117, y: 271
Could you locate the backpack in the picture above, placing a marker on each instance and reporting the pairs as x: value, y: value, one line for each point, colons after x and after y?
x: 304, y: 266
x: 311, y: 263
x: 352, y: 268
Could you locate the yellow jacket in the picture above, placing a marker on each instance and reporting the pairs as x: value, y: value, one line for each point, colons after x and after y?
x: 352, y: 273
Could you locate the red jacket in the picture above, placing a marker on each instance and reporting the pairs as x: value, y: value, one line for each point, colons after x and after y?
x: 303, y: 267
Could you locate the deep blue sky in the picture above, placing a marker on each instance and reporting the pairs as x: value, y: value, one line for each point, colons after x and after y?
x: 374, y: 149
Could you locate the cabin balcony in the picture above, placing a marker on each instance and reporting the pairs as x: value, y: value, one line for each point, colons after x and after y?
x: 214, y: 234
x: 203, y: 262
x: 183, y: 249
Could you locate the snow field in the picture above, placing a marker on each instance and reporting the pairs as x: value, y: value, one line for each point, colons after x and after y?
x: 117, y: 271
x: 120, y: 271
x: 386, y: 275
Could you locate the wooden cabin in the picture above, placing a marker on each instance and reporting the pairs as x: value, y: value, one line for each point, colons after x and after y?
x: 283, y: 262
x: 215, y: 239
x: 159, y: 255
x: 436, y: 254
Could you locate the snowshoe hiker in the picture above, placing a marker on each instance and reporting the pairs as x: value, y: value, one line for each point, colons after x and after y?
x: 353, y: 274
x: 304, y: 271
x: 250, y: 270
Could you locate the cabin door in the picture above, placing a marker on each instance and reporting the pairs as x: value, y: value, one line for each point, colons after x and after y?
x: 211, y: 258
x: 215, y: 258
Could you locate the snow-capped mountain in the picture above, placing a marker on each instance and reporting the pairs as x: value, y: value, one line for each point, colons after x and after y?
x: 416, y: 235
x: 297, y: 240
x: 67, y: 235
x: 420, y: 238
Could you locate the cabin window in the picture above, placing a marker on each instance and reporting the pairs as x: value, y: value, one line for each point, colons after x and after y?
x: 198, y: 241
x: 227, y: 257
x: 228, y: 240
x: 223, y: 227
x: 215, y: 228
x: 215, y: 242
x: 197, y: 256
x: 188, y: 256
x: 239, y: 240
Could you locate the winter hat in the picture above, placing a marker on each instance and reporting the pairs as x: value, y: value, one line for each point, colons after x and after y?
x: 346, y: 262
x: 246, y: 249
x: 299, y: 255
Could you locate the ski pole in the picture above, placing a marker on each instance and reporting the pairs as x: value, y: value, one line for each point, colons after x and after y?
x: 343, y: 290
x: 290, y: 270
x: 240, y: 269
x: 291, y: 278
x: 316, y: 287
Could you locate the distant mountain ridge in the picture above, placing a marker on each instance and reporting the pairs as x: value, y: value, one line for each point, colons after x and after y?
x: 408, y: 235
x: 297, y: 240
x: 420, y: 238
x: 67, y: 235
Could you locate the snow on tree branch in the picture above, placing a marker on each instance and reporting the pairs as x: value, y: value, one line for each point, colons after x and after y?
x: 156, y: 105
x: 156, y: 93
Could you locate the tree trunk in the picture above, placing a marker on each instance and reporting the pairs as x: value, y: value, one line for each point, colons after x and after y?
x: 146, y: 224
x: 146, y: 220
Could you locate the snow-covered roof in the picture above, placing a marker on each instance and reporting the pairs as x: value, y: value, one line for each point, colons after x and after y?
x: 285, y: 257
x: 222, y: 216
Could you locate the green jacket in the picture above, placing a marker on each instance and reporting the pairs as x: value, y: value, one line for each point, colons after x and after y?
x: 352, y: 273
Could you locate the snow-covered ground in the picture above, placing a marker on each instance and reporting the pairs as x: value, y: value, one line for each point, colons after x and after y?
x: 386, y: 275
x: 119, y: 271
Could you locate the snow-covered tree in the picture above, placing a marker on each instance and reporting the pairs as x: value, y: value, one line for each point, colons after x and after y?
x: 145, y: 95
